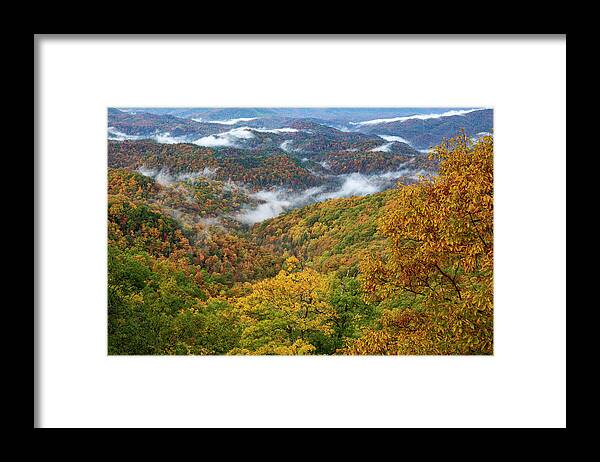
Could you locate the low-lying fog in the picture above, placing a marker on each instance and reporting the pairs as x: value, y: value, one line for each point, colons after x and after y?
x: 274, y: 202
x: 233, y: 138
x: 278, y: 201
x: 164, y: 177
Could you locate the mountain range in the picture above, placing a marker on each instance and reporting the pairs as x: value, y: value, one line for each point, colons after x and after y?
x: 299, y: 231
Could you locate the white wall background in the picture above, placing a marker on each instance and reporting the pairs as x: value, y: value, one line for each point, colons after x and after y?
x: 523, y: 384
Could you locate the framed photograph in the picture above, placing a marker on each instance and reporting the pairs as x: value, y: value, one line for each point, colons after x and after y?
x: 268, y: 227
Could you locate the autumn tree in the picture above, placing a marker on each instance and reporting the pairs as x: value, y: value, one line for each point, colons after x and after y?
x: 440, y: 232
x: 284, y: 314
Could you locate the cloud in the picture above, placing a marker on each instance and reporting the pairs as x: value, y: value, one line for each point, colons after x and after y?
x: 161, y: 176
x: 227, y: 121
x: 164, y: 177
x: 213, y: 141
x: 354, y: 184
x: 206, y: 172
x: 453, y: 112
x: 166, y: 138
x: 341, y: 128
x: 358, y: 184
x: 276, y: 202
x: 159, y: 137
x: 383, y: 148
x: 287, y: 146
x: 276, y: 130
x: 479, y: 135
x: 273, y: 203
x: 394, y: 138
x: 230, y: 138
x: 114, y: 134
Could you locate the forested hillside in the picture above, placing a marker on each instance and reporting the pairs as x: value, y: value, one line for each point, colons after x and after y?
x: 255, y: 171
x: 356, y: 259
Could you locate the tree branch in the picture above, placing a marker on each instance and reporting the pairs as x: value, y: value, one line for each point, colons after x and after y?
x: 451, y: 280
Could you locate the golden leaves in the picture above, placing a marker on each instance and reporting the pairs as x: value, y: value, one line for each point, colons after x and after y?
x: 441, y: 249
x: 279, y: 313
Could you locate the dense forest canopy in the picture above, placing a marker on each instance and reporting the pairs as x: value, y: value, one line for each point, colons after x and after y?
x: 336, y: 248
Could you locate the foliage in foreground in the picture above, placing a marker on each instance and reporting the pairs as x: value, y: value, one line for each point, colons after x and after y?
x: 441, y: 252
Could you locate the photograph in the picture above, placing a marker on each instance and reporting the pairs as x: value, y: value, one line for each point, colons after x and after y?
x: 300, y: 231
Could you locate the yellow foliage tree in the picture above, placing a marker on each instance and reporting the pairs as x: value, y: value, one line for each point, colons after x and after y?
x: 440, y: 232
x: 282, y: 313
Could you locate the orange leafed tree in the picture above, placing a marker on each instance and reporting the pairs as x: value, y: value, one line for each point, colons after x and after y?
x: 440, y: 259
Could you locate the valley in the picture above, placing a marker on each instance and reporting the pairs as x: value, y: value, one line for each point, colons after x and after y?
x: 299, y: 231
